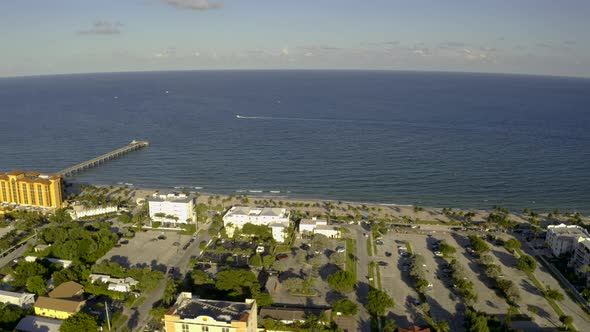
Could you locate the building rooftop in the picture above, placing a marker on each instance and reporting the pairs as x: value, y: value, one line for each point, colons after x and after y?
x: 225, y: 311
x: 326, y: 227
x: 5, y: 294
x: 66, y: 290
x: 254, y: 211
x: 567, y: 230
x: 58, y: 304
x: 34, y: 324
x: 313, y: 221
x: 172, y: 197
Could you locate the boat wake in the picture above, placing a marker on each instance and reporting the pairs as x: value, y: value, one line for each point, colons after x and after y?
x: 298, y: 119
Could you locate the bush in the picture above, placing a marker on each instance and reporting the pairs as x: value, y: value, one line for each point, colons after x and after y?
x: 512, y: 244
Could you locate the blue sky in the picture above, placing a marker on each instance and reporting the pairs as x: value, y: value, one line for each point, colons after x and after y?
x: 501, y: 36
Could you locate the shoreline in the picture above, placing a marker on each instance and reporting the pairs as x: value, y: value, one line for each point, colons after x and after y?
x: 289, y: 196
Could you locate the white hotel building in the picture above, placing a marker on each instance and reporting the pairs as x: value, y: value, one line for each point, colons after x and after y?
x: 276, y: 218
x: 563, y: 239
x: 172, y: 208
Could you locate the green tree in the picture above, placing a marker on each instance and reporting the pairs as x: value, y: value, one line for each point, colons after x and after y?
x: 345, y: 306
x: 37, y: 285
x: 26, y: 270
x: 442, y: 326
x: 566, y: 320
x: 10, y: 314
x: 342, y: 281
x: 478, y: 244
x: 526, y: 263
x: 446, y: 249
x: 390, y: 326
x: 124, y: 218
x: 200, y: 278
x: 60, y: 216
x: 239, y: 283
x: 554, y: 294
x: 512, y: 244
x: 170, y: 292
x: 256, y: 260
x: 378, y: 301
x: 79, y: 322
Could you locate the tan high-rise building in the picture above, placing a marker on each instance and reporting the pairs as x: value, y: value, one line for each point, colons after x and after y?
x: 31, y: 188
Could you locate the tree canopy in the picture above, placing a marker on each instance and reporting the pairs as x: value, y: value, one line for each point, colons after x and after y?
x: 526, y: 263
x: 342, y: 281
x: 378, y: 302
x: 78, y: 323
x: 345, y: 306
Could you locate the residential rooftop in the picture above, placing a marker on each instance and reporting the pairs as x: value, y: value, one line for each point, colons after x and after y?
x: 35, y: 323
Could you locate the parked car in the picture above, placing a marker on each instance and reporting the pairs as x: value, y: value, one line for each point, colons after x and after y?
x: 282, y: 256
x: 340, y: 249
x: 387, y: 254
x: 382, y: 263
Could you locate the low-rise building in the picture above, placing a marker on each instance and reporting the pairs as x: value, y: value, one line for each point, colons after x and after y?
x: 67, y: 290
x: 124, y: 285
x: 328, y: 231
x: 238, y: 216
x: 79, y: 211
x: 61, y: 262
x: 62, y: 302
x: 191, y: 314
x: 562, y: 239
x: 279, y: 231
x: 172, y: 208
x: 56, y: 308
x: 23, y: 300
x: 309, y: 225
x: 414, y: 328
x: 31, y: 323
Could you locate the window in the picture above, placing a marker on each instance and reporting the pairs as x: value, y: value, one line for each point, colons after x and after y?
x: 25, y: 193
x: 205, y: 328
x: 40, y: 194
x: 184, y: 327
x: 225, y: 329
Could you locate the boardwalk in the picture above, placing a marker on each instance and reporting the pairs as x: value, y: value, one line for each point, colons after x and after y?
x: 134, y: 145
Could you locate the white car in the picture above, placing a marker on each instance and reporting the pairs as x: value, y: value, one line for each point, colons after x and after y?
x: 340, y: 249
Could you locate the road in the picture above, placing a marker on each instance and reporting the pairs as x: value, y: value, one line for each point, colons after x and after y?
x: 140, y: 316
x: 15, y: 254
x: 362, y: 292
x: 569, y: 307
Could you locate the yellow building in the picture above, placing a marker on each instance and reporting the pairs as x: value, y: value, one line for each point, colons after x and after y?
x: 56, y: 308
x: 31, y: 188
x: 190, y: 314
x: 62, y: 302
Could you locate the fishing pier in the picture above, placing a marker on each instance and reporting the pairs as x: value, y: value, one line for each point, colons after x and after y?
x: 133, y: 146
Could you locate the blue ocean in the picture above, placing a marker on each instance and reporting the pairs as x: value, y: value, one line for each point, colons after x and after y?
x: 431, y: 139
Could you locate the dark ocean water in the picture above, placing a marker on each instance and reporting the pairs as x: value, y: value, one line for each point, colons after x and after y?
x: 433, y: 139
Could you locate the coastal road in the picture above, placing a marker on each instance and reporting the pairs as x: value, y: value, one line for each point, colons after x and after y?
x: 140, y: 316
x: 362, y: 292
x: 569, y: 307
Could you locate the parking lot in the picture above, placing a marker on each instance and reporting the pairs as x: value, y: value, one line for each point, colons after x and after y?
x: 310, y: 261
x: 153, y: 248
x: 445, y: 302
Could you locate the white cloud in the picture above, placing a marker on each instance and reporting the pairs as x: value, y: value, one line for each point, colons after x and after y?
x: 103, y: 28
x: 194, y: 4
